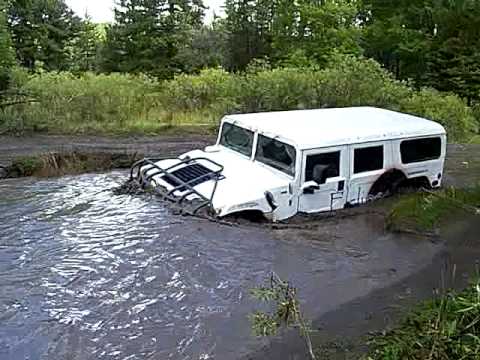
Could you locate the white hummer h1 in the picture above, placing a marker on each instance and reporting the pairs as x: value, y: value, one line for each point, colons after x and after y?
x: 307, y: 161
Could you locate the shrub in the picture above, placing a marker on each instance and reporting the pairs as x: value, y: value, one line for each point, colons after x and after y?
x: 449, y: 110
x: 135, y: 103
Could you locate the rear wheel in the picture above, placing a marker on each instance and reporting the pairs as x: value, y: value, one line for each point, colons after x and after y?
x: 388, y: 184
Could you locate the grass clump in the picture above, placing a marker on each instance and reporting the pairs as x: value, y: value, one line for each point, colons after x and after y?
x: 475, y: 140
x: 445, y: 328
x: 425, y: 211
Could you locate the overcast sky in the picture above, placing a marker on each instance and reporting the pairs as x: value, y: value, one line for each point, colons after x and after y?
x: 102, y: 10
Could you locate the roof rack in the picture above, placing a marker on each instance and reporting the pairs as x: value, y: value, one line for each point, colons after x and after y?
x: 144, y: 176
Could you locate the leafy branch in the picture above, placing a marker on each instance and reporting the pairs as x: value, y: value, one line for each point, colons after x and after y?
x: 287, y: 313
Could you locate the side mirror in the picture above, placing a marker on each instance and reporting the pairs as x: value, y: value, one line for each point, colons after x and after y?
x: 309, y: 187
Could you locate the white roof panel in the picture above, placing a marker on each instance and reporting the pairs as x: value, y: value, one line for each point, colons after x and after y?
x: 308, y: 129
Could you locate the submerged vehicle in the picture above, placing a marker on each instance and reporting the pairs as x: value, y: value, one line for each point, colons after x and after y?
x: 305, y: 161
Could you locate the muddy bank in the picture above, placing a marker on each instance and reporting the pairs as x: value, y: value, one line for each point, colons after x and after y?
x: 58, y: 155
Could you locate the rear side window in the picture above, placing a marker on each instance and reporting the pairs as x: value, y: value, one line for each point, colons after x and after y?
x: 419, y: 150
x: 368, y: 159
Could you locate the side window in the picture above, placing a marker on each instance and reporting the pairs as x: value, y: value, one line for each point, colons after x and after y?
x: 321, y: 167
x: 368, y: 159
x: 419, y: 150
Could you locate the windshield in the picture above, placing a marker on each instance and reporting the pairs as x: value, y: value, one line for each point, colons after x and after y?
x: 276, y: 154
x: 237, y: 138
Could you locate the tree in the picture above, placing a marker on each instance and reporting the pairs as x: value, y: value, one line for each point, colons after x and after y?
x: 454, y: 59
x: 147, y: 34
x: 282, y: 29
x: 326, y: 27
x: 86, y: 46
x: 41, y: 32
x: 7, y: 56
x: 397, y: 34
x: 248, y: 26
x: 205, y: 48
x: 432, y: 42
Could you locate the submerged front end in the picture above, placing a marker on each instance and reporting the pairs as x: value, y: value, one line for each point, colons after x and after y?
x: 220, y: 181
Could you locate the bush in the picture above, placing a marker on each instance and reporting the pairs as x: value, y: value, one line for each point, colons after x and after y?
x: 347, y: 81
x: 67, y: 103
x: 449, y: 110
x: 127, y: 103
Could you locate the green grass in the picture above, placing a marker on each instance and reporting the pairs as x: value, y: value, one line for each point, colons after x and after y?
x: 425, y: 211
x: 475, y: 140
x: 445, y: 328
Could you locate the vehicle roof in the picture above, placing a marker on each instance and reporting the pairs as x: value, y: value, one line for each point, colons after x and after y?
x: 309, y: 129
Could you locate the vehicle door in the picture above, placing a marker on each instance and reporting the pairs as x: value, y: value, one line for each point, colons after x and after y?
x: 368, y: 162
x: 323, y: 184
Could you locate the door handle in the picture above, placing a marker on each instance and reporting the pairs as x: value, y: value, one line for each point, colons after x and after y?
x: 341, y: 185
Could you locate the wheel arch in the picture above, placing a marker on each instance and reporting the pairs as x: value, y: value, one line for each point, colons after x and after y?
x: 388, y: 182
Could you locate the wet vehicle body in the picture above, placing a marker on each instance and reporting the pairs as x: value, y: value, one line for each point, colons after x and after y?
x: 307, y: 161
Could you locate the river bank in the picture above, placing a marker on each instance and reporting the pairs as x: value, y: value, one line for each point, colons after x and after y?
x: 87, y: 153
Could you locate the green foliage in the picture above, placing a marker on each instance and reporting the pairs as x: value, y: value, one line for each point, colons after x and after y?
x: 476, y: 113
x: 435, y: 43
x: 7, y: 56
x: 454, y: 58
x: 248, y: 36
x: 122, y: 103
x: 27, y: 166
x: 67, y: 102
x: 346, y: 81
x: 283, y: 29
x: 85, y: 48
x: 204, y: 48
x: 286, y: 311
x: 425, y: 211
x: 147, y: 35
x: 324, y: 27
x: 42, y: 31
x: 448, y: 109
x: 445, y: 328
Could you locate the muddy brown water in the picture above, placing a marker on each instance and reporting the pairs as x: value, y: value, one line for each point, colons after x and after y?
x: 86, y: 274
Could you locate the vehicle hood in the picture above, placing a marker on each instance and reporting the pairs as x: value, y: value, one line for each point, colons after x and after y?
x: 244, y: 182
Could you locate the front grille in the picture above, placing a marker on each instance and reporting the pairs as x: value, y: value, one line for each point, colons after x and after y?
x: 194, y: 174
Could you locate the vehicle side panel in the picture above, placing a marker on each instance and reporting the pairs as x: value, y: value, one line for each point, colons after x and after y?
x: 430, y: 169
x: 361, y: 182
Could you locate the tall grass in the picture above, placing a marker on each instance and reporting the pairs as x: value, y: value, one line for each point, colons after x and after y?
x: 425, y: 211
x: 443, y: 329
x: 119, y: 103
